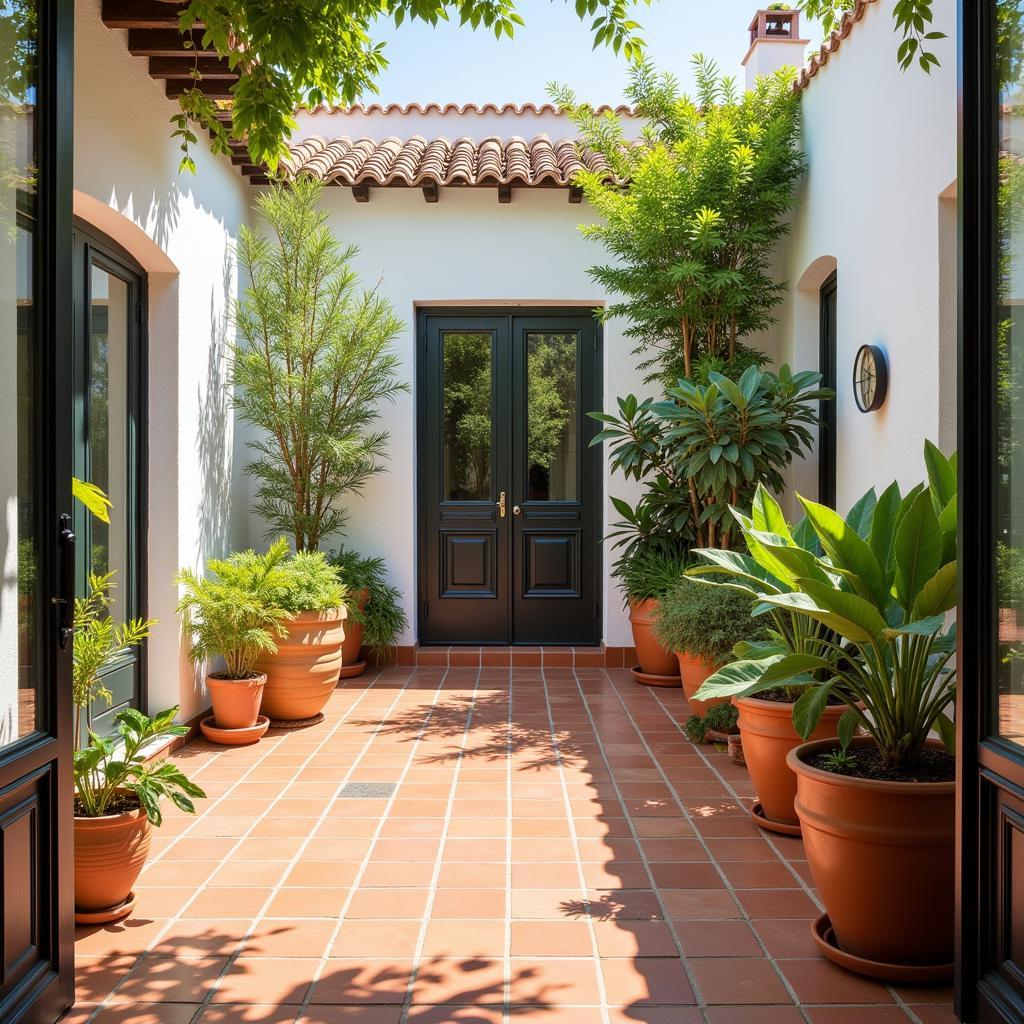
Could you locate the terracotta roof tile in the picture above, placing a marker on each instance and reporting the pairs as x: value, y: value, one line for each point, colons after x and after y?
x: 418, y: 161
x: 455, y: 108
x: 831, y: 45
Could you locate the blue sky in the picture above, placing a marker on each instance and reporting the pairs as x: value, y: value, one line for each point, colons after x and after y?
x: 457, y: 65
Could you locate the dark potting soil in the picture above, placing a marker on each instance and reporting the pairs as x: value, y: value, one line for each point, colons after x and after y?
x: 934, y: 766
x: 119, y: 803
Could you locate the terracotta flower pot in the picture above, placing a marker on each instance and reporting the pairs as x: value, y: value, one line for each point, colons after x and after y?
x: 653, y: 658
x: 236, y: 702
x: 352, y: 645
x: 303, y: 673
x: 881, y: 854
x: 109, y: 855
x: 694, y: 671
x: 768, y: 736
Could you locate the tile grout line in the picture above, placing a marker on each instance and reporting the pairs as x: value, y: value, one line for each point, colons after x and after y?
x: 714, y: 860
x: 666, y: 917
x: 506, y: 959
x: 148, y: 953
x: 439, y: 861
x: 595, y: 958
x: 326, y: 956
x: 808, y: 890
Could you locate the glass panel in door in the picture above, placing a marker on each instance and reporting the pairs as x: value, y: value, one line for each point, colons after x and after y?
x: 552, y: 449
x: 468, y: 415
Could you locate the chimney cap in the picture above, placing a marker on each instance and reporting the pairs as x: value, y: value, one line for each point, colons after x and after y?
x: 775, y: 23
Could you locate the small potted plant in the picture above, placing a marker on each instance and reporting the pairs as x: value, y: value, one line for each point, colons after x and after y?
x: 117, y: 804
x: 302, y: 668
x: 234, y: 615
x: 645, y: 575
x: 703, y: 626
x: 375, y: 616
x: 889, y: 901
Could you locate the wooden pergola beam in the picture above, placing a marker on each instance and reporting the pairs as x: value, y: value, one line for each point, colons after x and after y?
x: 430, y: 192
x: 216, y: 89
x: 159, y: 42
x: 361, y: 193
x: 504, y: 194
x: 210, y: 65
x: 142, y: 14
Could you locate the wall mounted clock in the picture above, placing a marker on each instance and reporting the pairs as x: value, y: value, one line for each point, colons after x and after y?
x: 870, y: 378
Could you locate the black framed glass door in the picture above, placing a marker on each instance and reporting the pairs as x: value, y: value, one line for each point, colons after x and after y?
x: 990, y: 982
x: 508, y: 485
x: 36, y: 586
x: 110, y: 445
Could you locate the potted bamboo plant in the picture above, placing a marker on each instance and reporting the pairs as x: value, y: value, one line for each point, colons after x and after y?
x: 117, y: 792
x: 303, y: 666
x: 877, y: 811
x: 234, y: 615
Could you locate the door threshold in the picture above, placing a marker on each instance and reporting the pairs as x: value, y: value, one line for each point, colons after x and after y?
x: 495, y: 656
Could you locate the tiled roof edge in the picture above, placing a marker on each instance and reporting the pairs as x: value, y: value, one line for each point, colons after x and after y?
x: 455, y: 108
x: 831, y: 45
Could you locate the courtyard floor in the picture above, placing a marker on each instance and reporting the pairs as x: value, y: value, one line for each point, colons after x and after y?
x: 476, y: 846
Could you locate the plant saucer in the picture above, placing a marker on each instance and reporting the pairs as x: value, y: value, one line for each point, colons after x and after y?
x: 650, y: 679
x: 914, y: 974
x: 234, y: 737
x: 357, y: 668
x: 783, y: 828
x: 122, y: 909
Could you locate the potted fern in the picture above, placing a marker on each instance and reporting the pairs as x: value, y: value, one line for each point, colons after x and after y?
x: 117, y: 790
x: 234, y: 615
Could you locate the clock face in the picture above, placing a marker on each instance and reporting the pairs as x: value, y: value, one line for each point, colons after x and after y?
x: 869, y: 378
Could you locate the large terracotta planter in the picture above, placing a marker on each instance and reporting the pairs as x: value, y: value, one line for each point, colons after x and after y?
x: 109, y: 855
x: 236, y: 702
x: 654, y: 659
x: 694, y: 672
x: 881, y: 854
x: 768, y: 736
x: 304, y: 672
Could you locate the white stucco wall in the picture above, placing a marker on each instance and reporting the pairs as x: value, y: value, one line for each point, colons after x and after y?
x: 467, y: 249
x: 879, y: 205
x: 181, y: 229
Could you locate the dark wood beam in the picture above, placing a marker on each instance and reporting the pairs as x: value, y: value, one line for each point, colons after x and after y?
x: 361, y: 193
x: 430, y: 192
x: 575, y: 194
x: 158, y: 42
x: 216, y: 89
x: 210, y: 65
x: 142, y: 14
x: 504, y: 194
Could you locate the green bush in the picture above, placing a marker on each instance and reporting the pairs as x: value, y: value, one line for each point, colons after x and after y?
x: 382, y: 617
x: 646, y: 573
x: 310, y: 584
x: 707, y: 623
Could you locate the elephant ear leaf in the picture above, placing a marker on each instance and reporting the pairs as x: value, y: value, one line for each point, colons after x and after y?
x: 863, y: 512
x: 807, y: 711
x: 846, y: 727
x: 917, y: 549
x: 941, y: 477
x: 947, y: 731
x: 767, y: 515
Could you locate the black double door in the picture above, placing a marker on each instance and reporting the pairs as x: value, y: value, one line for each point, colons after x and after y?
x: 509, y: 485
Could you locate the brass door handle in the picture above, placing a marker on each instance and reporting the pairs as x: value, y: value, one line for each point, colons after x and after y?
x: 501, y: 505
x: 516, y: 510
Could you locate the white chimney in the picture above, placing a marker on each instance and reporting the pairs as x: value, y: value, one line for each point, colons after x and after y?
x: 774, y: 43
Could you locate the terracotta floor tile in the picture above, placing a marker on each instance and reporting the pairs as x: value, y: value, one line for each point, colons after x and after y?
x: 778, y: 903
x: 784, y: 938
x: 387, y: 904
x: 455, y: 1013
x: 268, y: 981
x: 633, y: 939
x: 227, y: 902
x: 143, y: 1013
x: 738, y: 981
x: 687, y: 875
x: 550, y: 938
x: 931, y: 1013
x: 397, y: 873
x: 540, y: 875
x: 162, y: 902
x: 655, y: 1015
x: 254, y: 1013
x: 471, y: 876
x: 474, y: 851
x: 819, y: 981
x: 553, y: 982
x: 460, y: 904
x: 548, y: 904
x: 624, y: 904
x: 252, y: 873
x: 460, y: 981
x: 201, y: 937
x: 673, y: 850
x: 96, y: 976
x: 159, y: 979
x: 544, y: 850
x: 377, y: 938
x: 717, y: 938
x: 327, y: 873
x: 765, y: 1015
x: 307, y: 902
x: 699, y: 904
x: 128, y: 937
x: 363, y: 981
x: 469, y: 938
x: 481, y: 828
x: 648, y: 980
x: 351, y: 1015
x: 862, y: 1015
x: 741, y: 849
x: 277, y: 937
